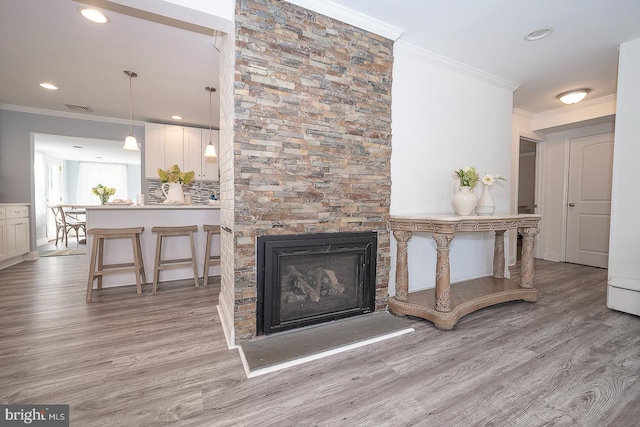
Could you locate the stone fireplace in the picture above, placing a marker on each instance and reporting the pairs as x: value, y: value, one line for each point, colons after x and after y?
x: 310, y: 148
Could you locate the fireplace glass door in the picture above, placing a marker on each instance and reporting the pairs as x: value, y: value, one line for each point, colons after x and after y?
x: 309, y: 279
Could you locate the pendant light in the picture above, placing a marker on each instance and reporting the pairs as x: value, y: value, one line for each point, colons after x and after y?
x: 211, y: 149
x: 130, y: 142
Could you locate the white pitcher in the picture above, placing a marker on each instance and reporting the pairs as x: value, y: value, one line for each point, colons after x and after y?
x: 175, y: 194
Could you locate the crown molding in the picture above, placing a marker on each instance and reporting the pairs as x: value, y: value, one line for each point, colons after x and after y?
x: 350, y: 16
x: 522, y: 113
x: 452, y: 65
x: 68, y: 115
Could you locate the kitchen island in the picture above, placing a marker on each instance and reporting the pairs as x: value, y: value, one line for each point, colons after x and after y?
x: 148, y: 216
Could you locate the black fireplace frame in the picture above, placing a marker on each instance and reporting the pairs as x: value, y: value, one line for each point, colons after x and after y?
x: 266, y: 252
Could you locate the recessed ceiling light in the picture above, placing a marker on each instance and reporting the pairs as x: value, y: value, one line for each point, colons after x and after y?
x: 538, y: 34
x: 49, y: 86
x: 176, y: 117
x: 573, y: 96
x: 94, y: 15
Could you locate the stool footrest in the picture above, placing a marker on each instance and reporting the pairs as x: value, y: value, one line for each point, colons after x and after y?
x: 175, y: 265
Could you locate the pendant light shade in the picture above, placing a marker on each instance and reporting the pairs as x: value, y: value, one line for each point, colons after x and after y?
x: 211, y: 149
x: 130, y: 142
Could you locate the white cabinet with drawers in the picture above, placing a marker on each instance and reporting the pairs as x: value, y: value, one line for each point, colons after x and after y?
x: 14, y: 231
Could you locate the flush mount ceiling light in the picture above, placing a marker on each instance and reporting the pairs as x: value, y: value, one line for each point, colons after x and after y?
x: 176, y: 117
x: 211, y: 149
x: 93, y: 15
x: 49, y: 86
x: 538, y: 34
x: 130, y: 142
x: 573, y: 96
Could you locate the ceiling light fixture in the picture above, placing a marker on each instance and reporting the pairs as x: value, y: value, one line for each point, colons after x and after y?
x: 176, y: 117
x: 538, y: 34
x: 94, y: 15
x: 211, y: 149
x: 49, y: 86
x: 130, y: 142
x: 573, y: 96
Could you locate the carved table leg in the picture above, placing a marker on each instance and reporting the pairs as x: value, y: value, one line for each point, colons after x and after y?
x: 443, y: 273
x: 498, y: 255
x: 402, y: 264
x: 526, y: 259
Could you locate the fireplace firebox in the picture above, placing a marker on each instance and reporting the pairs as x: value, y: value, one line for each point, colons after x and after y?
x: 314, y: 278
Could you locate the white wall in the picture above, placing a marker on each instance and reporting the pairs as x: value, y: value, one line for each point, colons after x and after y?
x: 444, y: 119
x: 624, y: 243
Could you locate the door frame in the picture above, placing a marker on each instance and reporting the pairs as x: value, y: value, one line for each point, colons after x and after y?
x: 538, y: 192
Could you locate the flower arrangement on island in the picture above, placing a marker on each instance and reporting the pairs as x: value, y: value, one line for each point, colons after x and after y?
x: 468, y: 176
x: 174, y: 175
x: 103, y: 192
x: 489, y: 179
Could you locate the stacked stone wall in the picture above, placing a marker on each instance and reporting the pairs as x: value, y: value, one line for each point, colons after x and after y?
x: 312, y: 136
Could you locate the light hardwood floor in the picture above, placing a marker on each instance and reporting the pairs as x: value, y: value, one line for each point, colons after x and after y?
x: 129, y: 360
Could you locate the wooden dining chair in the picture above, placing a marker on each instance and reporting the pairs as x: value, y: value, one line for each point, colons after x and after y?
x: 65, y: 224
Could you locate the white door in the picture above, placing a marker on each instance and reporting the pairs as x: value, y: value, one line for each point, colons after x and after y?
x: 589, y: 200
x: 54, y: 192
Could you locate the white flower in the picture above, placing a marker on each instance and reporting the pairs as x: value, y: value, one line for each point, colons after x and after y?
x: 489, y: 179
x: 100, y: 190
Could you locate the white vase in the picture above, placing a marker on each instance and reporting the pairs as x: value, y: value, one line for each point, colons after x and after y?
x: 464, y: 201
x: 486, y: 205
x: 175, y: 193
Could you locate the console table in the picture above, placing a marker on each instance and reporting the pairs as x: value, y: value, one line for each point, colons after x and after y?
x: 446, y: 303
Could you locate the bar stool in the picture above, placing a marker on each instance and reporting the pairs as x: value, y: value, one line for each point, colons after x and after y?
x: 161, y: 264
x: 97, y: 253
x: 210, y: 260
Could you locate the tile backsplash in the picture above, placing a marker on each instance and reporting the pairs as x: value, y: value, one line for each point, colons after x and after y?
x: 201, y: 191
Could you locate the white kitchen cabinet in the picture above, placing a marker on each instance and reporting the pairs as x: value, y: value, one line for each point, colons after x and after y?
x: 168, y: 145
x: 153, y: 149
x: 3, y: 235
x: 14, y: 231
x: 17, y: 237
x: 163, y: 148
x: 174, y: 147
x: 196, y: 141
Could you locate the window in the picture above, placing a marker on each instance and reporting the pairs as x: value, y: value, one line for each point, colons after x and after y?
x: 92, y: 174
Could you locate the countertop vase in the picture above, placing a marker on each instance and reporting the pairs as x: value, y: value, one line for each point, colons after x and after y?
x: 175, y: 194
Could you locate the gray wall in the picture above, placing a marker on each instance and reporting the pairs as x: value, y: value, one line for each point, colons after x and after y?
x: 16, y: 150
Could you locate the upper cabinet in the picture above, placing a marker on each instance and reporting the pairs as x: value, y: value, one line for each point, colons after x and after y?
x: 196, y: 141
x: 167, y: 145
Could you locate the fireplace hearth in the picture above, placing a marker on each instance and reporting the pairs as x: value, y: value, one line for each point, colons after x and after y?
x: 314, y: 278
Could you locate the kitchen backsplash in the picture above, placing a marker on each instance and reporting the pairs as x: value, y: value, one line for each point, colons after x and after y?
x: 201, y: 191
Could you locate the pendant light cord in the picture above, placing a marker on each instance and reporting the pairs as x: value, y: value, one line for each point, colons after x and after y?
x: 210, y: 116
x: 130, y: 106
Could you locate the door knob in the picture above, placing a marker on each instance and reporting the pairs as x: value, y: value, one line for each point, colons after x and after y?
x: 571, y: 205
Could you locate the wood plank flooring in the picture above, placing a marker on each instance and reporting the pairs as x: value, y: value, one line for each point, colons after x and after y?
x: 155, y: 360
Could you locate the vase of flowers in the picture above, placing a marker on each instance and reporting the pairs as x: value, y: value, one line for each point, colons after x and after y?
x: 464, y: 199
x: 103, y: 192
x: 486, y: 204
x: 173, y: 179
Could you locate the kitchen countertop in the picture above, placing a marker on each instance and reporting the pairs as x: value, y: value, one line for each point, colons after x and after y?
x: 153, y: 207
